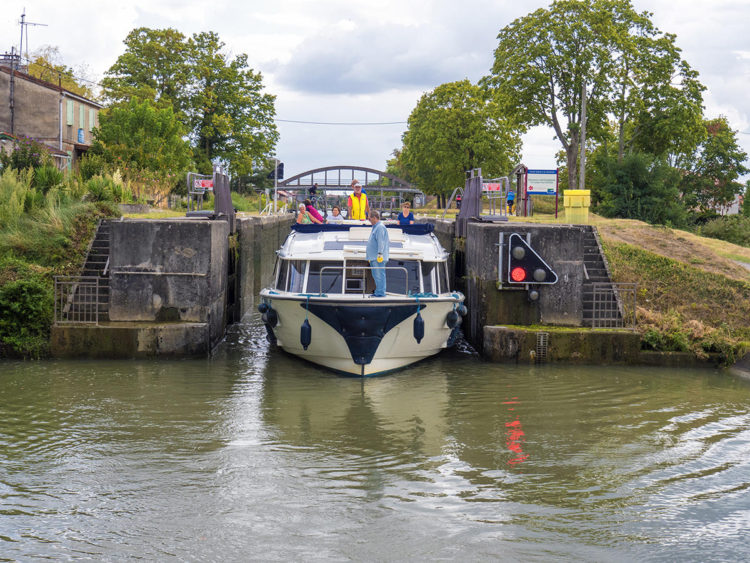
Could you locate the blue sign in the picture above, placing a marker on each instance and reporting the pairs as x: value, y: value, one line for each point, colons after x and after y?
x: 541, y: 182
x: 80, y: 136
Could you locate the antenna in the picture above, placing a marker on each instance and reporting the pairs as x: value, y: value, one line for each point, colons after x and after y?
x: 24, y: 25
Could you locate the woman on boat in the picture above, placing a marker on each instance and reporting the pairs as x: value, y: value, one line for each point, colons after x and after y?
x: 313, y: 212
x: 304, y: 217
x: 406, y: 217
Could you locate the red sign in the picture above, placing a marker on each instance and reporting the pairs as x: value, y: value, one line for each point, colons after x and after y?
x: 491, y: 187
x: 205, y: 184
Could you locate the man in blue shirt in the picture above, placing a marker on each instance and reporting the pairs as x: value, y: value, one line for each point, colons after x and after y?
x: 511, y: 199
x: 377, y: 252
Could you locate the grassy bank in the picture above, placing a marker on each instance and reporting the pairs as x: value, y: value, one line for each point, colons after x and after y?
x: 43, y: 233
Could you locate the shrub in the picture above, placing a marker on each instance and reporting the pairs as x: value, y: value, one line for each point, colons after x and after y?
x: 46, y: 177
x: 731, y: 228
x: 26, y: 308
x: 27, y: 153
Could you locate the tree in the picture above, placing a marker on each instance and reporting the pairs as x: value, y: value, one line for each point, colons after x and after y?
x: 575, y: 63
x: 46, y: 64
x: 639, y: 186
x: 457, y: 127
x: 142, y: 136
x: 229, y: 119
x: 712, y: 171
x: 153, y: 67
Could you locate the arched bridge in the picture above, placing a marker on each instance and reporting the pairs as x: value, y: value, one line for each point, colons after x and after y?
x: 340, y: 178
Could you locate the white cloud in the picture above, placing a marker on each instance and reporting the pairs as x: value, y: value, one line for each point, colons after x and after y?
x: 348, y: 60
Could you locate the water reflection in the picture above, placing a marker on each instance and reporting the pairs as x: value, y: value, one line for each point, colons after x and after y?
x: 256, y: 454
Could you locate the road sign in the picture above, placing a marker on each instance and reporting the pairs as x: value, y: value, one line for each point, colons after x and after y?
x: 541, y: 182
x: 203, y: 184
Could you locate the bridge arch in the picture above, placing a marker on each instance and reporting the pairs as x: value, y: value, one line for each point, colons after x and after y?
x: 340, y: 177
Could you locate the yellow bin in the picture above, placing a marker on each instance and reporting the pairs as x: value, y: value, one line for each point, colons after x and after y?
x: 577, y: 203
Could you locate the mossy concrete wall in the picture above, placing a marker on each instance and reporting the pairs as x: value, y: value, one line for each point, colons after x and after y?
x: 561, y: 246
x: 171, y: 270
x: 130, y: 340
x: 519, y: 344
x: 259, y: 239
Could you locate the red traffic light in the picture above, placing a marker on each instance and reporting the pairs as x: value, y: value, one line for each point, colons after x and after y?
x: 518, y: 274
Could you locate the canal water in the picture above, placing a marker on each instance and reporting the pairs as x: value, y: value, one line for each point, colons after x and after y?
x: 255, y: 455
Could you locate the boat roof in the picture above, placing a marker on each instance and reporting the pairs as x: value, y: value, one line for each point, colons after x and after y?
x: 336, y: 242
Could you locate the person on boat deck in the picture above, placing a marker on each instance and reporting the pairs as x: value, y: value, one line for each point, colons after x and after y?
x: 304, y: 217
x: 313, y: 212
x: 357, y: 203
x: 336, y: 216
x: 377, y: 252
x: 406, y: 217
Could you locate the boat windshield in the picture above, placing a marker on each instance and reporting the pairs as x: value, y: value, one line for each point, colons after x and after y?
x: 325, y: 277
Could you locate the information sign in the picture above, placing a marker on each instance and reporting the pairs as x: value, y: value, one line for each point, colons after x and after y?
x: 541, y: 182
x: 204, y: 184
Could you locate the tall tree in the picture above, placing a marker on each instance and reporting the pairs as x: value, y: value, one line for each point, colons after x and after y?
x: 457, y: 127
x: 142, y: 136
x: 155, y: 66
x: 46, y: 64
x: 571, y: 65
x: 229, y: 118
x: 712, y: 171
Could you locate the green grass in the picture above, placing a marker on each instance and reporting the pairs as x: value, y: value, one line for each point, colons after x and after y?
x: 683, y: 307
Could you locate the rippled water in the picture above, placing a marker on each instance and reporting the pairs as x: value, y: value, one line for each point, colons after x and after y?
x: 254, y: 455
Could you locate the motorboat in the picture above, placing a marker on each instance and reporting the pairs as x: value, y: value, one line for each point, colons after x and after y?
x: 320, y: 306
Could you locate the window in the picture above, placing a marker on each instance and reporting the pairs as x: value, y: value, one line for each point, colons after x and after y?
x: 81, y: 116
x: 92, y: 119
x: 443, y: 275
x: 69, y: 112
x: 396, y: 280
x: 296, y: 275
x: 281, y: 274
x: 429, y: 282
x: 325, y: 277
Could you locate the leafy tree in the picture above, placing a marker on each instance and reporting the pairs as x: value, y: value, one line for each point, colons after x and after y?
x: 712, y: 171
x: 575, y: 63
x: 46, y: 64
x: 231, y: 117
x: 639, y: 187
x: 228, y: 117
x: 154, y: 66
x: 746, y: 200
x: 142, y: 136
x: 457, y: 127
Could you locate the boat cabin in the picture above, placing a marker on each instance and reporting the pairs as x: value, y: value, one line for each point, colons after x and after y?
x: 330, y: 259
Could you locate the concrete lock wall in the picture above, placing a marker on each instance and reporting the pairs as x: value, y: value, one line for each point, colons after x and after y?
x: 169, y: 271
x: 258, y: 239
x: 561, y: 246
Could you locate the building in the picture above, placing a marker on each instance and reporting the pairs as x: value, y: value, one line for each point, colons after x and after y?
x: 47, y: 113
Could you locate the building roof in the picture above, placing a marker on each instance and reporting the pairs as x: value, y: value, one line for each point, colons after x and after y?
x: 45, y: 84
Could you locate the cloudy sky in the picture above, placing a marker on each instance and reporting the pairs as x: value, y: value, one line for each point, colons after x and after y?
x: 335, y: 61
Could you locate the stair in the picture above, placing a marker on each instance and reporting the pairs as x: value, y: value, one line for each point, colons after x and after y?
x: 97, y: 264
x: 596, y: 271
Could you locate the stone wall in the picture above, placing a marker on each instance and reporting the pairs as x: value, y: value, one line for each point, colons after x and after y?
x: 259, y: 239
x: 169, y: 271
x: 561, y: 246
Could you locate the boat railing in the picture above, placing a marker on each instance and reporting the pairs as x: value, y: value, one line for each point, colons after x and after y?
x: 344, y: 280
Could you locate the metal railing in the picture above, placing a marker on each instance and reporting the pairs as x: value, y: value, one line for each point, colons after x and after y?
x: 345, y: 278
x: 77, y: 299
x: 615, y: 305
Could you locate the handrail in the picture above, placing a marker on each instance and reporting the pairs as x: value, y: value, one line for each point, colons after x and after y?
x: 343, y: 276
x: 450, y: 200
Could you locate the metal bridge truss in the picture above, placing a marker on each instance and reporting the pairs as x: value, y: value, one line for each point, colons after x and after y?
x: 385, y: 192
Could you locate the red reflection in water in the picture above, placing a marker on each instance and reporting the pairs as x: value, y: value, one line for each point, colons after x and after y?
x: 515, y: 436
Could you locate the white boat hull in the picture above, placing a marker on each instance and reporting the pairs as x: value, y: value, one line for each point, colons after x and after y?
x: 380, y: 339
